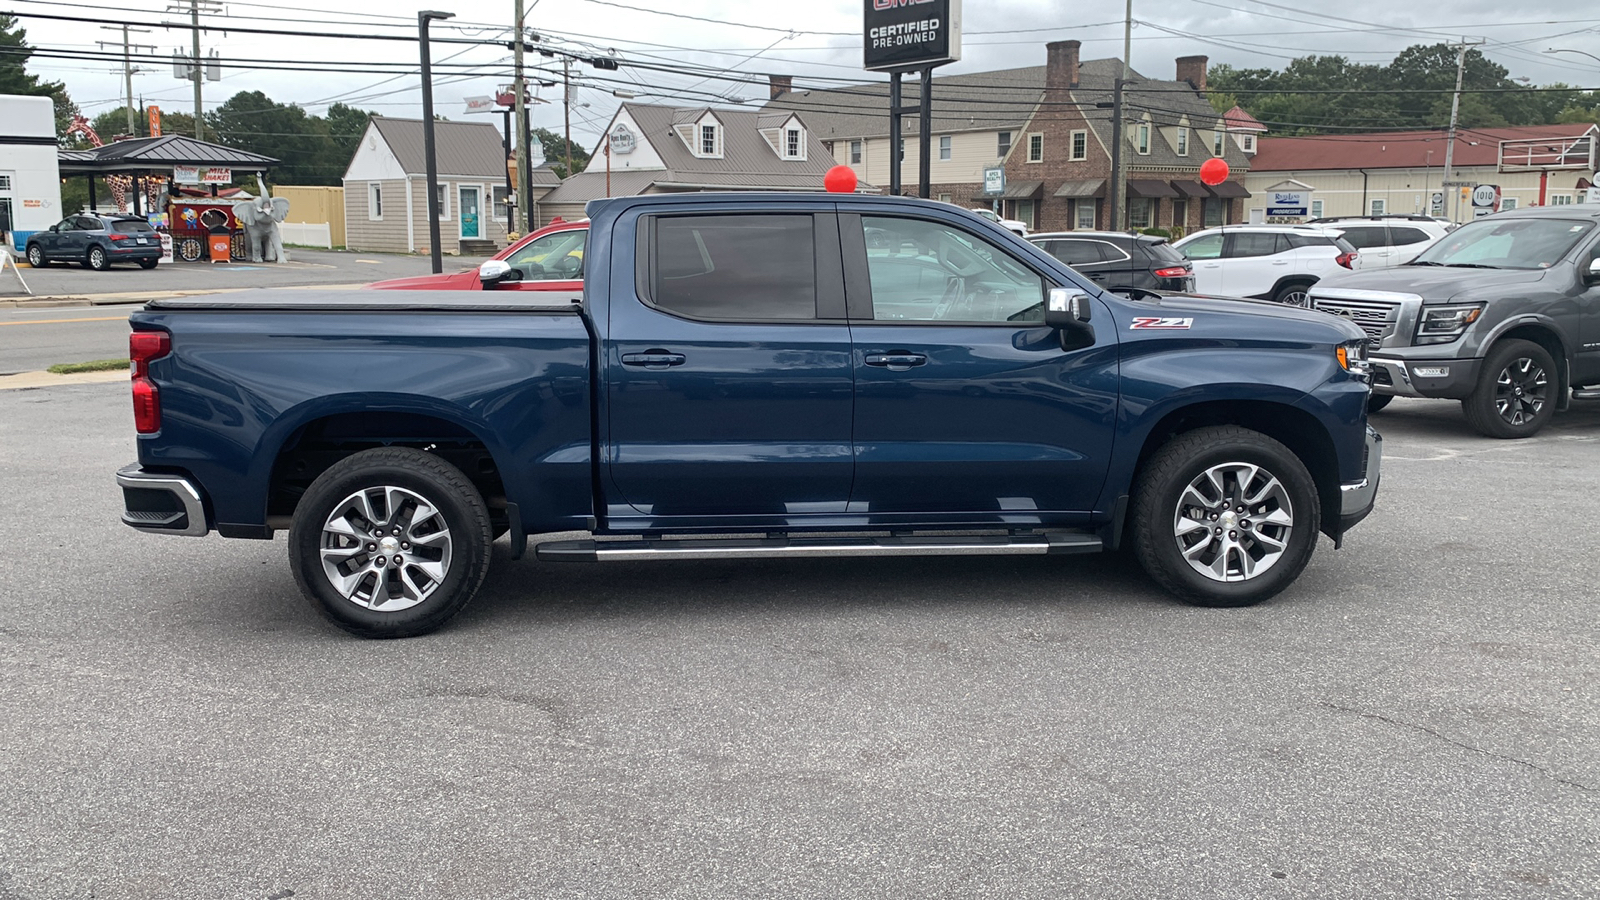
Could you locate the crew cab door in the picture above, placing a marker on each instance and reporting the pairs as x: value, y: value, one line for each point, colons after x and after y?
x: 1254, y: 261
x: 729, y: 383
x: 967, y: 408
x: 1586, y: 363
x: 1206, y: 254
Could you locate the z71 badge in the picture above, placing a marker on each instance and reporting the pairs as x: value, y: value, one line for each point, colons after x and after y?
x: 1160, y: 322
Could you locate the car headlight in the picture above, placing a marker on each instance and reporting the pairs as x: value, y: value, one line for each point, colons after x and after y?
x: 1352, y: 356
x: 1443, y: 324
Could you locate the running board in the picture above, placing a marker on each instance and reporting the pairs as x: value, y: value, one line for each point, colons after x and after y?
x: 772, y: 547
x: 1586, y: 394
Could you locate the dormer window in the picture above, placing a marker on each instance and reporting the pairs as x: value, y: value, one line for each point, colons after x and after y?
x: 1183, y: 142
x: 1249, y: 143
x: 1142, y: 138
x: 1216, y: 143
x: 792, y: 146
x: 708, y: 140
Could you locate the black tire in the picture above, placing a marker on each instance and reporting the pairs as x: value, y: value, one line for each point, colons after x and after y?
x: 1378, y: 401
x: 1161, y: 490
x: 1516, y: 392
x: 148, y: 263
x: 36, y: 256
x: 1294, y: 294
x: 97, y: 259
x: 465, y: 545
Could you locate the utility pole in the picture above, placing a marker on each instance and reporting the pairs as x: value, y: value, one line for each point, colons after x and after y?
x: 520, y: 105
x: 128, y: 68
x: 1119, y: 178
x: 566, y: 109
x: 197, y: 70
x: 430, y: 157
x: 1455, y: 111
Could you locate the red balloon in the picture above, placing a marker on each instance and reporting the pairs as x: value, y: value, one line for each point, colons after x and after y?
x: 840, y: 180
x: 1214, y: 171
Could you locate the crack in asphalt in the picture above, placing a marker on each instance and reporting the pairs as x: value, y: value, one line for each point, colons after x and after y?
x: 1461, y: 744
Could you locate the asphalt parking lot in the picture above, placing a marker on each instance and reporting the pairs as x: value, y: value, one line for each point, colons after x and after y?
x: 1419, y: 716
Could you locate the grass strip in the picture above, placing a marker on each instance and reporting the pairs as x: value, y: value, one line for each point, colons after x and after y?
x: 94, y: 365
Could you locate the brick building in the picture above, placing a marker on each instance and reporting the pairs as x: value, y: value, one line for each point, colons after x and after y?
x: 1050, y: 128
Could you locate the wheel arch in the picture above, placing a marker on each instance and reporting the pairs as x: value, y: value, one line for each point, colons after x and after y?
x: 1301, y: 278
x: 1300, y: 431
x: 1546, y: 335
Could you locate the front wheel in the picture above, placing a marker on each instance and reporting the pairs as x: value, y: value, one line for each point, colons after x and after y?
x: 1378, y: 401
x: 1294, y: 295
x: 1516, y: 392
x: 1225, y: 516
x: 390, y: 542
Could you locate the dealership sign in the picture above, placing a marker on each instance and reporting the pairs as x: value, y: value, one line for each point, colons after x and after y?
x: 901, y: 35
x: 1288, y: 203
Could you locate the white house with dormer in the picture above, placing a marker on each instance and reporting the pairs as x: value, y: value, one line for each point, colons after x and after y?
x: 649, y: 149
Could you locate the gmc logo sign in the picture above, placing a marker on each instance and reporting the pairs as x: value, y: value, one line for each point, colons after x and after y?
x: 881, y: 5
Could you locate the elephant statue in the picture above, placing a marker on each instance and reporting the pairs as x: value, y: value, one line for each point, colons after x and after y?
x: 260, y: 218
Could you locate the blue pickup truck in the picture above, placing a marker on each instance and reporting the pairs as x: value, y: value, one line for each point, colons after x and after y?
x: 751, y: 375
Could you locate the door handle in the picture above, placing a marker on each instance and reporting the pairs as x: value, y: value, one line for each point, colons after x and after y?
x: 653, y: 359
x: 899, y: 361
x: 1281, y: 262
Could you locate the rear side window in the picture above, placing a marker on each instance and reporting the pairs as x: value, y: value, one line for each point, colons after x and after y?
x: 1362, y: 237
x: 1296, y: 241
x: 1400, y: 235
x: 1344, y: 245
x: 1256, y: 244
x: 131, y: 226
x: 1208, y: 247
x: 1162, y: 252
x: 735, y: 268
x: 1077, y: 253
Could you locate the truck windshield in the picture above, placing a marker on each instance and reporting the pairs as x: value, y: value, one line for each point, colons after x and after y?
x: 1506, y: 244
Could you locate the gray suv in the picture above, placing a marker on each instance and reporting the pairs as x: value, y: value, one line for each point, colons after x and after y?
x: 1502, y: 314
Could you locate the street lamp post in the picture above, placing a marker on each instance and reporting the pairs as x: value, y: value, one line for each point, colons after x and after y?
x: 1579, y: 52
x: 434, y: 251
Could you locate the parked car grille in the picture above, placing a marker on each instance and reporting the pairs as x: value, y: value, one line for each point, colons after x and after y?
x: 1375, y: 317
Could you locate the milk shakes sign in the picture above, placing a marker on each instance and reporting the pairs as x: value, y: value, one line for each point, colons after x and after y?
x: 910, y: 34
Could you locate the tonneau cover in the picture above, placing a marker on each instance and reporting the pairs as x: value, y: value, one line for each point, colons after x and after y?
x: 372, y: 301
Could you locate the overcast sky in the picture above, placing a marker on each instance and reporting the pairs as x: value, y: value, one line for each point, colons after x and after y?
x: 819, y: 40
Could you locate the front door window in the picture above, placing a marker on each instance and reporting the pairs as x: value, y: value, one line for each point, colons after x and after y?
x: 471, y: 227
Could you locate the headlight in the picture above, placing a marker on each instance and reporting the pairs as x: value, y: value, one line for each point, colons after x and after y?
x: 1352, y: 356
x: 1443, y: 324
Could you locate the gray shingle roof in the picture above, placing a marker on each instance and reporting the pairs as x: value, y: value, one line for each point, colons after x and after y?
x: 462, y: 148
x: 748, y: 162
x: 1168, y: 103
x: 158, y: 152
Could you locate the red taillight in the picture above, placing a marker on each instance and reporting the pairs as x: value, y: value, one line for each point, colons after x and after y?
x: 1348, y: 260
x: 1174, y: 272
x: 144, y: 346
x: 118, y: 236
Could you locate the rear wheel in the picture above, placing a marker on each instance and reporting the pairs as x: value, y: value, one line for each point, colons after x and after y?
x: 1294, y: 295
x: 1378, y: 401
x: 1516, y: 392
x: 390, y: 542
x: 36, y: 256
x: 1225, y: 516
x: 97, y: 259
x: 148, y: 263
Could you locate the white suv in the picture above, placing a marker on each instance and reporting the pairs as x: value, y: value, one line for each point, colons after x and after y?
x: 1265, y: 262
x: 1385, y: 241
x: 1012, y: 225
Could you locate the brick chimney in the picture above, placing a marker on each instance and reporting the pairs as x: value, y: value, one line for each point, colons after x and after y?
x: 782, y: 84
x: 1193, y: 70
x: 1061, y: 65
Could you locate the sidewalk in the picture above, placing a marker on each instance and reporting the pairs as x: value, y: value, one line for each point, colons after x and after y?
x: 14, y: 300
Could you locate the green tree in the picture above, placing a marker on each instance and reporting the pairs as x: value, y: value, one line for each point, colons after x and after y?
x: 14, y: 77
x: 250, y: 120
x: 345, y: 126
x: 555, y: 153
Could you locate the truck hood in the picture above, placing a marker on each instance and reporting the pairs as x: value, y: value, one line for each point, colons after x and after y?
x: 1433, y: 283
x: 466, y: 280
x: 1249, y: 318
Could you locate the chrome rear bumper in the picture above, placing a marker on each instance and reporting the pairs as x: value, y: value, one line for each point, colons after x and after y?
x: 161, y: 503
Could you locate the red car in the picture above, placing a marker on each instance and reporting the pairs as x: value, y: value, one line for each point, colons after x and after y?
x: 550, y: 259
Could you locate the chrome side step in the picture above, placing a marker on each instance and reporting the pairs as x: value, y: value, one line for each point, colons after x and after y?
x: 1586, y: 394
x: 819, y: 545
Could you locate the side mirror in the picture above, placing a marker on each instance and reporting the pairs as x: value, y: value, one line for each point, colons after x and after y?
x: 1593, y: 274
x: 54, y: 227
x: 496, y: 272
x: 1068, y: 312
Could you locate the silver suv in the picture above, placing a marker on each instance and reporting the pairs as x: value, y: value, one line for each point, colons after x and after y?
x: 1503, y: 314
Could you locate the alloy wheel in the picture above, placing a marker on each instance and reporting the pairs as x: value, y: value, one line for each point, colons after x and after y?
x: 1233, y: 522
x: 1521, y: 391
x: 385, y: 548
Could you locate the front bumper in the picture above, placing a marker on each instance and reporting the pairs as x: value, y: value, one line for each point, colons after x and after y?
x: 161, y: 503
x: 1358, y: 497
x: 1452, y: 379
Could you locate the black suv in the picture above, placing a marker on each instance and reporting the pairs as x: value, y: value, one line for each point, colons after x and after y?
x: 96, y: 242
x: 1118, y: 261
